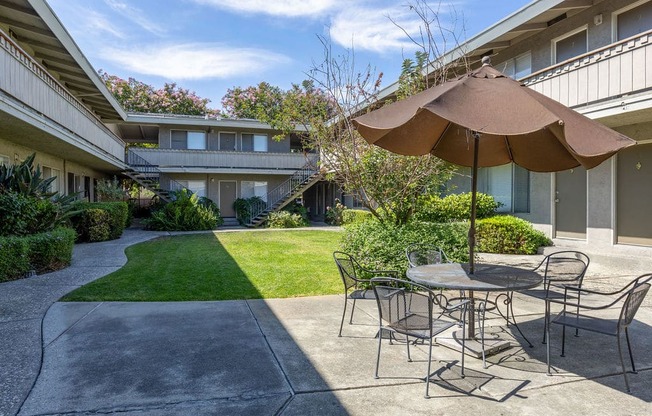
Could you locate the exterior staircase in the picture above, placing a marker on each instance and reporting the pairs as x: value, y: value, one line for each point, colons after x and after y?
x: 287, y: 192
x: 146, y: 175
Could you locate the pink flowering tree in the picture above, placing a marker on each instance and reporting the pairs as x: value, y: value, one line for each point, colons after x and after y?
x: 137, y: 96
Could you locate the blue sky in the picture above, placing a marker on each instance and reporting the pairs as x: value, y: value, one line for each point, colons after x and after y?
x: 209, y: 46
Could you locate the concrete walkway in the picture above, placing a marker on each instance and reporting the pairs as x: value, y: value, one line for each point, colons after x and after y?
x: 280, y: 356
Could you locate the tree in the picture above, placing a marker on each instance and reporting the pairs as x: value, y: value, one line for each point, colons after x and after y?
x: 137, y: 96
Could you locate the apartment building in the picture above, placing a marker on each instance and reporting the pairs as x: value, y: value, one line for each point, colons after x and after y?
x: 54, y: 104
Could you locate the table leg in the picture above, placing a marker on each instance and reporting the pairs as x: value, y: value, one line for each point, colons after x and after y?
x: 470, y: 331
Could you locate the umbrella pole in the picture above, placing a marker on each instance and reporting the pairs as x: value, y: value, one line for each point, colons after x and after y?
x: 474, y: 191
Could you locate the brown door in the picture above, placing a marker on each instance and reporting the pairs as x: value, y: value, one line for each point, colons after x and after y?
x: 570, y: 204
x: 228, y: 195
x: 634, y: 195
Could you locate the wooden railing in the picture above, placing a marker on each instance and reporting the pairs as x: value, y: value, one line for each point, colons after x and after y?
x: 607, y: 73
x: 27, y: 81
x: 170, y: 158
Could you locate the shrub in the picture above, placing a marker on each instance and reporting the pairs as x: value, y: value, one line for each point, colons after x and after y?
x: 42, y: 252
x: 14, y: 261
x: 382, y: 247
x: 93, y: 225
x: 508, y: 235
x: 185, y: 213
x: 456, y: 207
x: 110, y: 190
x: 244, y: 207
x: 333, y: 215
x: 353, y: 216
x: 52, y: 250
x: 285, y: 219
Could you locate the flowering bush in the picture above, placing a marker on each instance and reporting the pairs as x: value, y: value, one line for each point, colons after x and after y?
x: 333, y: 215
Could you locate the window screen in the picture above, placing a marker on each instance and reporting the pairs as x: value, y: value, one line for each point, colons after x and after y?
x: 570, y: 47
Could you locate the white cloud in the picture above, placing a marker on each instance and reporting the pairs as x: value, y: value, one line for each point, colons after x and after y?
x: 287, y: 8
x: 370, y: 29
x: 136, y: 15
x: 96, y: 22
x: 194, y: 60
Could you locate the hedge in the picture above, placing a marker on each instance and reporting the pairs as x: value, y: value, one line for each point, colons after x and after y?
x: 43, y: 252
x: 382, y: 246
x: 352, y: 216
x: 100, y: 221
x: 505, y: 234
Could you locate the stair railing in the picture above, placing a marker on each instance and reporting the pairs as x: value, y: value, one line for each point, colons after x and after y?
x: 142, y: 165
x: 288, y: 187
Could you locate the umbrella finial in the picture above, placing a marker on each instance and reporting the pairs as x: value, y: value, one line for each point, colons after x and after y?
x: 486, y: 60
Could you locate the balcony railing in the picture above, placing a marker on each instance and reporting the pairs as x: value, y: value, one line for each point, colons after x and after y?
x: 31, y: 84
x: 209, y: 159
x: 607, y: 73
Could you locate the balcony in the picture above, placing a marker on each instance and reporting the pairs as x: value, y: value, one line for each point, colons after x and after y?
x: 601, y: 77
x: 209, y: 161
x: 35, y: 96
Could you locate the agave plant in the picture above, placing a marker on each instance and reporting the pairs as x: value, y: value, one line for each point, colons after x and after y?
x: 25, y: 179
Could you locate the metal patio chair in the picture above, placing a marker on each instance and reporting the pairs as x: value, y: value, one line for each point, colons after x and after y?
x: 413, y: 310
x: 583, y: 316
x: 419, y: 255
x: 561, y: 270
x: 356, y: 281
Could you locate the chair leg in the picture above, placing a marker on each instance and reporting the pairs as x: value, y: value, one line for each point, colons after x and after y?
x: 463, y: 340
x: 629, y: 348
x: 622, y: 363
x: 352, y: 309
x: 481, y: 315
x: 380, y: 340
x: 407, y: 343
x: 546, y: 312
x: 546, y: 336
x: 428, y: 373
x: 343, y: 314
x: 563, y: 340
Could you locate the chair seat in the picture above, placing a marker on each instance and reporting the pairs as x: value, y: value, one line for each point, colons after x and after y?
x: 362, y: 294
x: 589, y: 323
x: 417, y: 326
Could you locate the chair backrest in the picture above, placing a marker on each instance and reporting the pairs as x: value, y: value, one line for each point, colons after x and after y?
x: 419, y: 255
x: 632, y: 302
x: 348, y: 268
x: 565, y: 266
x: 403, y: 304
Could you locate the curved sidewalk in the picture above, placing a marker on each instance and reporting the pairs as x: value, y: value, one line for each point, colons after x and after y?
x: 24, y: 303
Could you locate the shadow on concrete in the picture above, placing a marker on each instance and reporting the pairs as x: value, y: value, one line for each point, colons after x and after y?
x: 172, y: 358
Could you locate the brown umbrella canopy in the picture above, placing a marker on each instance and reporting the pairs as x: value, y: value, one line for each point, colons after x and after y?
x: 516, y: 124
x: 487, y: 119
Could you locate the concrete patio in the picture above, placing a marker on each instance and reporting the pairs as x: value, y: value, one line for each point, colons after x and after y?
x: 283, y: 357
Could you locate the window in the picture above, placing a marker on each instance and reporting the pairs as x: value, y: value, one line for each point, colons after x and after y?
x: 519, y: 67
x: 181, y: 139
x: 227, y: 142
x: 260, y: 143
x: 253, y: 188
x: 196, y: 187
x: 509, y: 185
x: 254, y: 142
x: 48, y: 172
x: 570, y: 45
x: 633, y: 20
x: 75, y: 185
x: 4, y: 160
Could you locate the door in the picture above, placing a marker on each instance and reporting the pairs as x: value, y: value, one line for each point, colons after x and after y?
x: 228, y: 196
x: 634, y: 195
x: 570, y: 204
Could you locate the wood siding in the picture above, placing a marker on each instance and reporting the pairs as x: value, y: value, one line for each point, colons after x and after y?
x: 621, y: 68
x: 28, y: 82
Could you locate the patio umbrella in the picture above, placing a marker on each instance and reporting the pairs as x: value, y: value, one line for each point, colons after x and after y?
x: 484, y: 119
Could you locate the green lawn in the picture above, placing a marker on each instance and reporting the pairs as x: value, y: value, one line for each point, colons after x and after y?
x: 238, y: 265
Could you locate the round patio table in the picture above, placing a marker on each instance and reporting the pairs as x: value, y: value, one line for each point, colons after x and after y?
x: 486, y: 278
